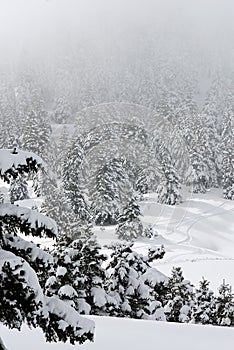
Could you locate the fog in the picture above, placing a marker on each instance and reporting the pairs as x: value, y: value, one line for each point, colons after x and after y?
x: 42, y: 27
x: 110, y: 36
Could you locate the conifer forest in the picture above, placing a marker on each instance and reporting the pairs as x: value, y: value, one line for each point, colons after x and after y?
x: 116, y: 174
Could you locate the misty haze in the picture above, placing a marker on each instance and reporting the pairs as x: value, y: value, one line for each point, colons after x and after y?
x: 116, y: 174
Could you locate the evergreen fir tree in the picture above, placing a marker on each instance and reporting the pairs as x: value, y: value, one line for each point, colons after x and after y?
x: 179, y: 298
x: 62, y: 111
x: 211, y: 152
x: 60, y: 152
x: 204, y: 308
x: 130, y: 226
x: 111, y: 188
x: 225, y: 306
x: 142, y: 185
x: 197, y: 175
x: 30, y: 136
x: 9, y: 130
x: 79, y: 275
x: 104, y: 207
x: 126, y: 285
x: 169, y: 188
x: 227, y: 145
x: 71, y: 181
x: 35, y: 135
x: 57, y: 207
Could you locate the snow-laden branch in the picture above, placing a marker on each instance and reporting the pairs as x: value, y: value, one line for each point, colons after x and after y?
x: 27, y: 302
x: 15, y: 161
x: 33, y: 252
x: 153, y: 277
x: 68, y: 321
x: 31, y: 221
x: 29, y: 274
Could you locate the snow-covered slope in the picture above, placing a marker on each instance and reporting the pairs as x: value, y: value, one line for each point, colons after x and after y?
x: 125, y: 334
x: 198, y: 235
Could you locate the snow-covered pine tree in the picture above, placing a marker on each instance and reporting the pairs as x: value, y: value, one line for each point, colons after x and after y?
x: 18, y: 189
x: 60, y: 151
x: 168, y: 189
x: 225, y: 306
x: 142, y: 185
x: 9, y: 130
x: 80, y: 277
x: 210, y: 150
x: 215, y: 101
x: 56, y: 206
x: 21, y: 295
x: 104, y: 207
x: 35, y: 136
x: 204, y: 308
x: 62, y: 112
x: 42, y: 181
x: 197, y: 175
x: 227, y: 147
x: 125, y: 284
x: 179, y: 298
x: 92, y: 275
x: 71, y: 181
x: 130, y: 226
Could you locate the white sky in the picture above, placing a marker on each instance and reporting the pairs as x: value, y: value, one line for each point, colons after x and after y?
x: 39, y: 26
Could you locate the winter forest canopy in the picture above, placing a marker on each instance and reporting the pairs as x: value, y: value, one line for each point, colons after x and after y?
x: 102, y: 103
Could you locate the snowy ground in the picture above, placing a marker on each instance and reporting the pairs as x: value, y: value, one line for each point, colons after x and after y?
x: 198, y: 235
x: 116, y: 334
